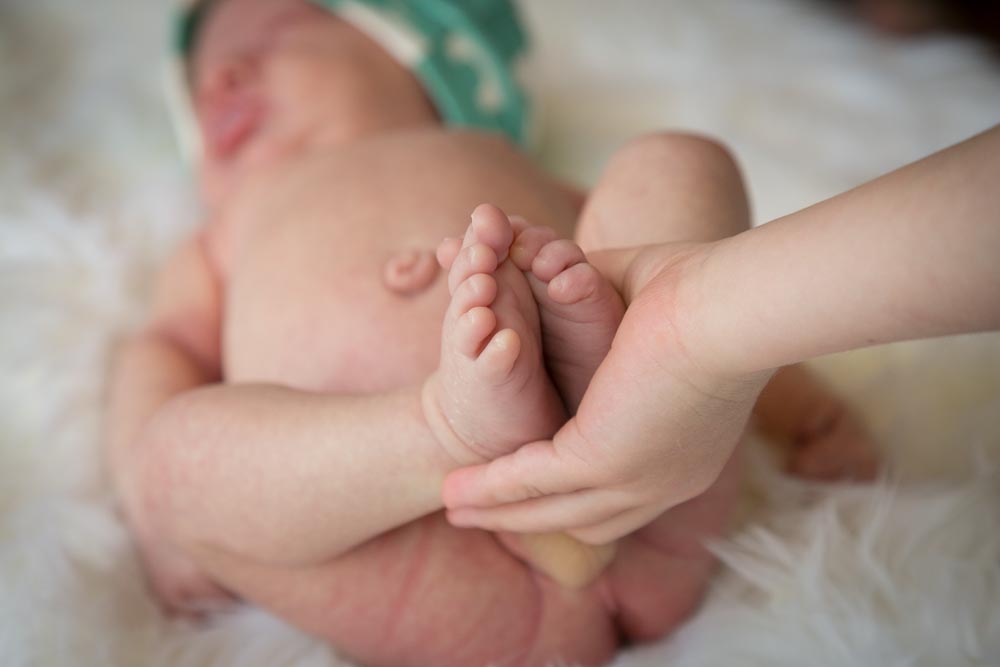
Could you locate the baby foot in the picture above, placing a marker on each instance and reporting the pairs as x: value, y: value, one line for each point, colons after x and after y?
x: 579, y: 309
x: 491, y: 393
x: 177, y: 584
x: 826, y: 441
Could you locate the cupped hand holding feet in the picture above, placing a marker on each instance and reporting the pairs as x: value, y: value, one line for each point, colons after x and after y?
x: 893, y: 259
x: 654, y: 428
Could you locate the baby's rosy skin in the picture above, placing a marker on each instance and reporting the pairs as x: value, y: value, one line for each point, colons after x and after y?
x: 826, y: 441
x: 315, y: 199
x: 491, y: 393
x: 658, y: 575
x: 429, y: 594
x: 272, y: 78
x: 329, y: 185
x: 578, y: 308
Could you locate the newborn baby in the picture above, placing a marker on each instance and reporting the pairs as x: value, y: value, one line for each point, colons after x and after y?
x: 281, y: 427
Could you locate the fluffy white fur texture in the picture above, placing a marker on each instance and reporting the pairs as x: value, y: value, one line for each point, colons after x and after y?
x: 91, y: 197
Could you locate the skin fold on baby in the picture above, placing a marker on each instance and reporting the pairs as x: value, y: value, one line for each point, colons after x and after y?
x: 367, y: 338
x: 329, y: 184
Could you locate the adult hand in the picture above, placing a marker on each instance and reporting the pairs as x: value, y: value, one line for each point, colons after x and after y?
x: 654, y: 429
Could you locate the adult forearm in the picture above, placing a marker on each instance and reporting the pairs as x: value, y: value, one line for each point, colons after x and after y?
x: 912, y: 254
x: 285, y: 476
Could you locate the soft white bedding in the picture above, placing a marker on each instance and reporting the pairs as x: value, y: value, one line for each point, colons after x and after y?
x: 906, y: 573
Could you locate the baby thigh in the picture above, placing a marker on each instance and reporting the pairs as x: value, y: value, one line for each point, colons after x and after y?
x: 661, y: 188
x: 430, y: 594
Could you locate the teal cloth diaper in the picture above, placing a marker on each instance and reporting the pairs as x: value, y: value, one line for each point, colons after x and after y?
x: 464, y: 52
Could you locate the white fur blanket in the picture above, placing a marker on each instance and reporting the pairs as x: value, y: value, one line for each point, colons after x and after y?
x: 91, y: 197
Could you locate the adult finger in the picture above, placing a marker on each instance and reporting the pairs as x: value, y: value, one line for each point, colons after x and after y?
x: 548, y: 514
x: 617, y: 526
x: 614, y: 264
x: 532, y: 471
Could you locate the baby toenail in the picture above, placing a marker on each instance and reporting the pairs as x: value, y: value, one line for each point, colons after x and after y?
x: 478, y: 253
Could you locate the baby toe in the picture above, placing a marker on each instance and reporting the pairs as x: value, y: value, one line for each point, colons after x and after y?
x: 491, y: 227
x: 471, y: 331
x: 578, y: 283
x: 473, y: 259
x: 518, y: 224
x: 528, y: 244
x: 555, y: 258
x: 477, y: 290
x: 496, y: 361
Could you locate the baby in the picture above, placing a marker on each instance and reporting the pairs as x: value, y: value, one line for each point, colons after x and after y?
x: 280, y: 429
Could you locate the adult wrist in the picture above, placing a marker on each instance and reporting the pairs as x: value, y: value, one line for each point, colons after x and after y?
x: 713, y: 309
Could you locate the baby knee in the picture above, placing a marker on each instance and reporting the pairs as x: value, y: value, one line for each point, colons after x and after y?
x: 657, y: 151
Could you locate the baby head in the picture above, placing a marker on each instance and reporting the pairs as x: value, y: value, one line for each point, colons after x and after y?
x: 272, y: 78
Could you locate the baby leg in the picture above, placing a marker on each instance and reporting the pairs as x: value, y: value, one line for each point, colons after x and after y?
x: 428, y: 594
x: 662, y: 188
x: 667, y: 188
x: 579, y: 308
x: 670, y: 187
x: 580, y: 312
x: 491, y: 392
x: 659, y: 188
x: 587, y: 302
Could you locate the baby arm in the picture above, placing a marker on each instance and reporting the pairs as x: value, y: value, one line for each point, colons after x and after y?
x: 263, y: 472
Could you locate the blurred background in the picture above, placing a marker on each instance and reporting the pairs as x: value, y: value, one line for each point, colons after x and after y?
x: 813, y: 97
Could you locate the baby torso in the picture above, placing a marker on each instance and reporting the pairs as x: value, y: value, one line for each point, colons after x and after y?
x: 303, y: 249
